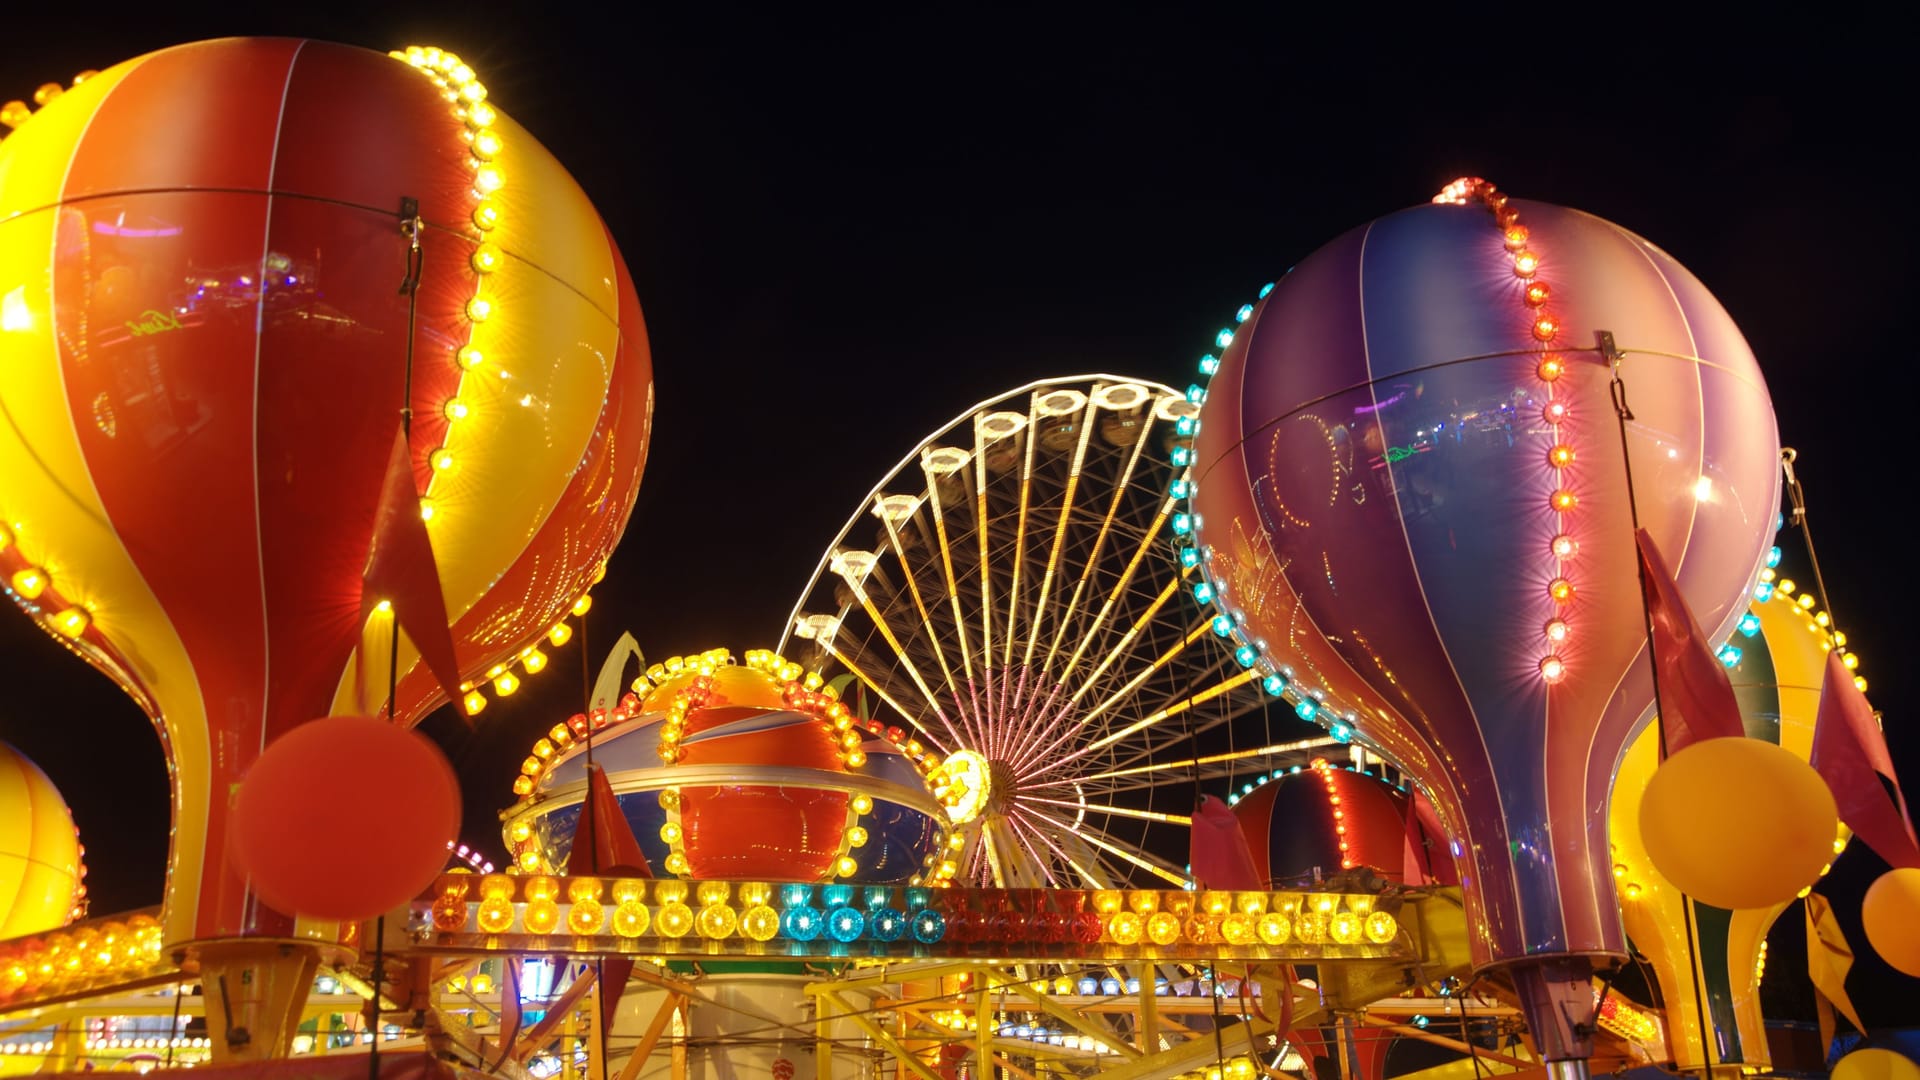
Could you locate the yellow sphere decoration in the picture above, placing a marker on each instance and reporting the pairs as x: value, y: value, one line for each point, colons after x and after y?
x: 39, y: 850
x: 1738, y: 823
x: 1891, y: 914
x: 1875, y: 1064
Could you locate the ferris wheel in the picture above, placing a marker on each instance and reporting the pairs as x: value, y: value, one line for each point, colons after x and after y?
x: 1017, y: 590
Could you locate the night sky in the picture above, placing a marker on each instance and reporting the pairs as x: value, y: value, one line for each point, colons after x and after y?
x: 844, y: 235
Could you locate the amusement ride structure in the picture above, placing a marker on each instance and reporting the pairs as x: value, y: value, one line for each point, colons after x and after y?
x: 1313, y: 720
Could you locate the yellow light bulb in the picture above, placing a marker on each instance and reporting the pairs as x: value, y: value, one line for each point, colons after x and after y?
x: 560, y: 634
x: 862, y: 804
x: 486, y: 216
x: 486, y: 259
x: 520, y: 832
x: 479, y: 309
x: 670, y: 832
x: 677, y: 863
x: 481, y: 115
x: 487, y: 180
x: 474, y: 702
x: 846, y: 866
x: 469, y: 357
x: 30, y: 582
x: 534, y: 661
x: 454, y: 409
x: 486, y: 144
x: 582, y: 605
x: 506, y: 684
x: 73, y: 622
x: 441, y: 459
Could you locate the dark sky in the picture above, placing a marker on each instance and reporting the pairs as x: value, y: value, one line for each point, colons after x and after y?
x: 843, y: 235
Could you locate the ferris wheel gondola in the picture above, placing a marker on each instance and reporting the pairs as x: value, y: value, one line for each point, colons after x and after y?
x: 1012, y: 588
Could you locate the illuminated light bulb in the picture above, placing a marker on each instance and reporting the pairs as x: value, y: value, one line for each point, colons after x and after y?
x: 47, y: 92
x: 441, y: 459
x: 1560, y: 456
x: 560, y: 634
x: 523, y: 785
x: 1516, y: 237
x: 581, y: 605
x: 454, y: 410
x: 543, y: 750
x: 847, y: 867
x: 1545, y: 327
x: 1553, y: 669
x: 1274, y: 928
x: 481, y: 115
x: 534, y: 662
x: 1382, y: 928
x: 487, y: 180
x: 675, y: 920
x: 1564, y: 500
x: 30, y: 582
x: 670, y: 832
x: 1806, y: 600
x: 1850, y: 661
x: 1633, y: 890
x: 677, y: 863
x: 473, y: 92
x: 1555, y: 412
x: 469, y: 357
x: 474, y: 702
x: 1345, y: 928
x: 862, y: 804
x: 1525, y: 263
x: 521, y: 832
x: 486, y: 259
x: 505, y: 684
x: 856, y: 758
x: 1560, y: 589
x: 1557, y: 631
x: 486, y: 216
x: 73, y: 621
x: 486, y: 144
x: 1551, y: 368
x: 1565, y: 547
x: 1537, y: 293
x: 856, y: 837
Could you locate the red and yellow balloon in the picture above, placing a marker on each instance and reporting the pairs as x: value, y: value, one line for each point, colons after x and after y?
x: 208, y: 353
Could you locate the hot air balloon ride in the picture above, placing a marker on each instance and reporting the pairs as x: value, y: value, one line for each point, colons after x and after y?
x: 1410, y: 501
x: 328, y: 393
x: 41, y: 875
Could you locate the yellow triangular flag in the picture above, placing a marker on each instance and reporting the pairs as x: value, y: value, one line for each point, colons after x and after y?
x: 1829, y: 958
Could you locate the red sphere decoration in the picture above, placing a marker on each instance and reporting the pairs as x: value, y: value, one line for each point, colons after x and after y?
x: 382, y: 798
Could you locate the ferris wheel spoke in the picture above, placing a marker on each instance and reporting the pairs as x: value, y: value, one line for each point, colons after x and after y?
x: 1122, y: 811
x: 1020, y: 527
x: 1092, y: 559
x: 946, y: 556
x: 880, y: 624
x: 1175, y: 709
x: 880, y: 691
x: 1041, y: 750
x: 1097, y: 629
x: 1093, y: 880
x: 890, y: 517
x: 1150, y: 866
x: 1121, y: 650
x: 1188, y: 764
x: 1039, y: 613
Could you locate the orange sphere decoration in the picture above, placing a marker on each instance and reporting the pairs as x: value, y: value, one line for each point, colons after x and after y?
x: 1891, y: 913
x: 39, y: 851
x: 345, y: 818
x: 1738, y: 823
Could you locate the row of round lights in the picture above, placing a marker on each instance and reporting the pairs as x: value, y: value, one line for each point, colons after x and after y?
x: 847, y: 913
x: 80, y: 957
x: 468, y: 96
x: 1534, y: 293
x: 1249, y: 653
x: 1772, y: 587
x: 531, y: 658
x: 15, y: 113
x: 1237, y: 1068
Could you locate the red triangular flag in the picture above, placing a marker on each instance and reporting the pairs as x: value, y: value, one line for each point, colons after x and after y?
x: 401, y: 571
x: 1850, y: 754
x: 604, y: 845
x: 1696, y: 699
x: 1220, y: 857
